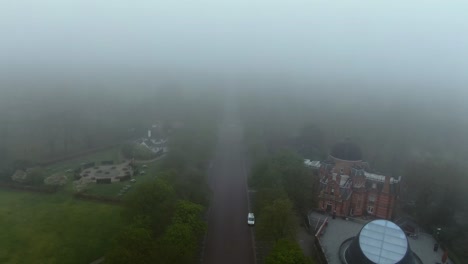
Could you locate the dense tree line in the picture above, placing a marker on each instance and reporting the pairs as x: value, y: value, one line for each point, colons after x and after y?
x: 49, y: 118
x: 389, y: 133
x: 284, y: 190
x: 285, y: 172
x: 57, y: 121
x: 165, y: 216
x: 433, y: 195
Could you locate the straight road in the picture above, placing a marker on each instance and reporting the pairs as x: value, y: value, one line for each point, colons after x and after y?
x: 229, y: 239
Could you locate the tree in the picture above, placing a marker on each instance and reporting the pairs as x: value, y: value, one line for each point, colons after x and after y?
x: 155, y: 200
x: 4, y: 135
x: 296, y: 180
x: 433, y: 184
x: 286, y: 171
x: 287, y: 252
x: 190, y: 214
x: 178, y: 244
x: 134, y: 244
x: 263, y: 197
x: 189, y: 185
x: 277, y: 221
x: 21, y: 164
x: 5, y: 173
x: 175, y: 160
x: 34, y: 176
x: 264, y: 175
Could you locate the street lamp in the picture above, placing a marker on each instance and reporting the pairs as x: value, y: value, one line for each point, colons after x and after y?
x: 436, y: 245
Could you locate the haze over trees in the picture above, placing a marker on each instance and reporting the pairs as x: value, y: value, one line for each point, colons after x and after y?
x: 166, y: 209
x: 79, y: 76
x: 166, y: 213
x: 399, y: 139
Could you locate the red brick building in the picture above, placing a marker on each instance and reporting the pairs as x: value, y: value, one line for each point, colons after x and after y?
x: 348, y: 188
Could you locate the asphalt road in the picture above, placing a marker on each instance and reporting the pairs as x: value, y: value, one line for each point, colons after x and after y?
x: 229, y: 239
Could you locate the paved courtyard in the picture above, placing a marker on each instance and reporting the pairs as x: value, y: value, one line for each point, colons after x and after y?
x: 339, y: 230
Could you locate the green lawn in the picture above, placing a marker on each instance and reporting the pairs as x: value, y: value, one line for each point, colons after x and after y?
x: 56, y: 228
x: 41, y: 228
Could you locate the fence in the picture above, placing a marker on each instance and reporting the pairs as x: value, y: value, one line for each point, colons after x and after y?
x: 321, y: 257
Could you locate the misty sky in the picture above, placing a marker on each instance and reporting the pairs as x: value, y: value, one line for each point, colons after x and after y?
x: 410, y: 41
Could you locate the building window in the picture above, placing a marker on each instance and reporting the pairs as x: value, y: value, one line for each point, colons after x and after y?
x: 341, y: 170
x: 374, y: 185
x: 372, y: 198
x: 370, y: 209
x: 332, y: 191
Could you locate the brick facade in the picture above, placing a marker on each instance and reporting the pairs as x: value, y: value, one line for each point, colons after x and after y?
x: 348, y: 189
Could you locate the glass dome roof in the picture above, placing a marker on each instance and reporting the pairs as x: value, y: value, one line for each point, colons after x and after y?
x: 383, y: 242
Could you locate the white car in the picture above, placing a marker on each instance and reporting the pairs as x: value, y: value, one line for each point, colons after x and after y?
x: 251, y: 219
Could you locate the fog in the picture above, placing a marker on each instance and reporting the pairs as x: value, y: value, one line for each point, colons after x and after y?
x: 363, y: 55
x: 417, y: 43
x: 86, y: 79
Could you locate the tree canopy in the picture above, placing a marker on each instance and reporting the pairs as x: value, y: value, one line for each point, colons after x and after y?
x: 286, y: 171
x: 287, y: 252
x: 35, y: 176
x: 134, y: 244
x: 277, y: 220
x: 177, y: 245
x: 155, y: 200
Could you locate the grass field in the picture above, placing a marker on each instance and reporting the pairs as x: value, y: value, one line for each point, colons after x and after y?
x: 40, y: 228
x: 56, y: 228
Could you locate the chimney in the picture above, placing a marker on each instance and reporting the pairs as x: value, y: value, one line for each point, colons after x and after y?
x: 386, y: 187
